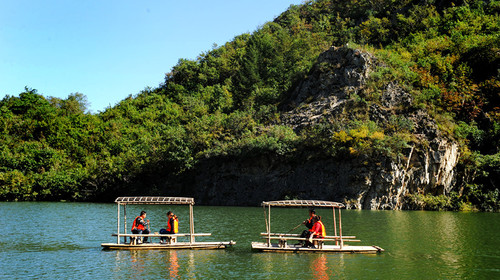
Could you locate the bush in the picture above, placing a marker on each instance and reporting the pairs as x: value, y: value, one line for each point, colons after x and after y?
x: 429, y: 202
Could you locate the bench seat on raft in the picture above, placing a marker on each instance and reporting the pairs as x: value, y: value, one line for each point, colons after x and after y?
x: 317, y: 242
x: 170, y: 238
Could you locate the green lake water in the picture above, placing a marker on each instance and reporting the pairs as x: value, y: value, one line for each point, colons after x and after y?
x: 62, y: 241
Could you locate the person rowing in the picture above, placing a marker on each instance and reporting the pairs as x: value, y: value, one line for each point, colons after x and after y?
x: 309, y: 224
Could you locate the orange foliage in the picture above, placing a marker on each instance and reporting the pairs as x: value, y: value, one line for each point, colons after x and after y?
x: 464, y: 99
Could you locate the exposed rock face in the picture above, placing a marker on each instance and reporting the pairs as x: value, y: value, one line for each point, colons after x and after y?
x: 326, y: 96
x: 339, y: 73
x: 421, y: 171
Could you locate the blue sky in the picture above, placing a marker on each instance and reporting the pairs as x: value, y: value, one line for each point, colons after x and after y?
x: 109, y: 49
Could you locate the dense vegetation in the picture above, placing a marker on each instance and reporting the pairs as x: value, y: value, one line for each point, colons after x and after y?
x: 227, y: 102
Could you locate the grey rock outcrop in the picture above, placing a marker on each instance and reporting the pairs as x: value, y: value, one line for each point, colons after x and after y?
x: 339, y: 73
x: 326, y: 96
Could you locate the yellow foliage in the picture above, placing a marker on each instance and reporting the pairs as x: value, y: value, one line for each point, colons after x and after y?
x: 405, y: 55
x: 360, y: 133
x: 378, y: 135
x: 342, y: 136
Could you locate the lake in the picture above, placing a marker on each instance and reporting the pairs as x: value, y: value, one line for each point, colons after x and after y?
x: 60, y: 240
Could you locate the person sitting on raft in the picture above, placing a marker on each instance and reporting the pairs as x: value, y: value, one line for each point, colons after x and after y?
x: 309, y: 224
x: 317, y: 230
x: 172, y: 226
x: 139, y: 226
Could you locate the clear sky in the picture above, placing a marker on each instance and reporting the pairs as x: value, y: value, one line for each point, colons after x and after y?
x: 109, y: 49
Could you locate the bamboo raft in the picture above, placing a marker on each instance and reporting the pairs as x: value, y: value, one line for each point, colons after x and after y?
x: 171, y: 239
x: 279, y: 242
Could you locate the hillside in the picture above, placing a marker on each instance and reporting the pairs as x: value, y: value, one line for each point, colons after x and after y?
x: 379, y: 104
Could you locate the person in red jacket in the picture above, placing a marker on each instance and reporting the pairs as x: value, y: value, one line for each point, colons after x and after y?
x: 318, y: 229
x: 139, y: 226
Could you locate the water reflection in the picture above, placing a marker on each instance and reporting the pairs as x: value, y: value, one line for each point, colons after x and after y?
x: 304, y: 265
x: 137, y: 265
x: 452, y: 244
x: 173, y: 265
x: 319, y: 267
x: 434, y: 239
x: 192, y: 264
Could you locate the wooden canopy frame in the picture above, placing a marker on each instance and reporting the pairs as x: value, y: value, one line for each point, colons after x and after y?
x: 304, y: 203
x: 154, y: 200
x: 170, y: 239
x: 148, y: 200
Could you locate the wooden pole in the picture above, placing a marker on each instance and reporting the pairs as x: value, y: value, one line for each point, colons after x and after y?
x: 335, y: 225
x: 191, y: 224
x: 340, y: 230
x: 269, y: 226
x: 125, y: 222
x: 118, y: 225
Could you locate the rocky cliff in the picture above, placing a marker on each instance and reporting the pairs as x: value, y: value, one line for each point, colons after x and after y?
x: 427, y: 166
x: 328, y: 95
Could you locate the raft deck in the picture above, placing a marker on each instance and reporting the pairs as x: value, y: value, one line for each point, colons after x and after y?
x: 166, y: 246
x: 279, y: 242
x: 274, y: 247
x: 170, y: 239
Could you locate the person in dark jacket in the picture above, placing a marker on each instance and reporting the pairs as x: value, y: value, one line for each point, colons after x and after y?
x: 309, y: 224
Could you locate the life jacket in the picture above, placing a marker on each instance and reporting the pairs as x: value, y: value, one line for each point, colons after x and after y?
x: 176, y: 226
x: 137, y: 225
x: 322, y: 232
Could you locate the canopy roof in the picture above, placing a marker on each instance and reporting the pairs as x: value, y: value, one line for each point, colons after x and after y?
x: 154, y: 200
x: 302, y: 203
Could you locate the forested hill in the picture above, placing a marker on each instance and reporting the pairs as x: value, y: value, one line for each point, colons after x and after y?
x: 235, y: 102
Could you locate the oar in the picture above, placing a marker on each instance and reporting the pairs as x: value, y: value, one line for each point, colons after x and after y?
x: 281, y: 235
x: 295, y: 228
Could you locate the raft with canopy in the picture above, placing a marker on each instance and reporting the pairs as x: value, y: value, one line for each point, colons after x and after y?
x: 126, y: 240
x: 280, y: 242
